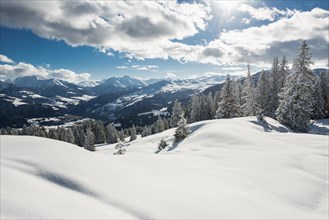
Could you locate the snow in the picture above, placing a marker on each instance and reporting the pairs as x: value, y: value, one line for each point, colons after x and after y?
x: 162, y: 111
x: 320, y: 126
x: 84, y: 97
x: 15, y: 101
x: 226, y: 169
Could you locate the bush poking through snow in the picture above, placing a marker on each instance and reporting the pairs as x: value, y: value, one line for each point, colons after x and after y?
x: 162, y: 145
x: 120, y: 148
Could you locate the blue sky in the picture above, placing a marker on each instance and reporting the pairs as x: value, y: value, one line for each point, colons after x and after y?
x: 82, y: 40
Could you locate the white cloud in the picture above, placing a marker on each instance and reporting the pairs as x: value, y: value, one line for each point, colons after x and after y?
x: 259, y: 44
x: 68, y: 75
x: 25, y: 69
x: 171, y: 75
x: 5, y: 59
x: 148, y: 67
x: 121, y: 67
x: 147, y: 30
x: 264, y: 13
x: 140, y: 29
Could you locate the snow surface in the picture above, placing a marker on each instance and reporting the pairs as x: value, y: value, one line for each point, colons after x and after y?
x: 226, y: 169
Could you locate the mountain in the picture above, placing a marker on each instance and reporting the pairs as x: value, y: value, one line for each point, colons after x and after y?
x: 226, y: 169
x: 90, y: 83
x: 50, y: 87
x: 30, y: 98
x: 117, y: 84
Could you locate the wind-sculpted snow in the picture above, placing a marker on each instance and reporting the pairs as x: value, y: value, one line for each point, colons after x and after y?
x: 230, y: 168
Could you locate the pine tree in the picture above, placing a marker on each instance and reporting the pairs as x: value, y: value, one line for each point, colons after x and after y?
x: 53, y: 134
x: 89, y: 140
x: 196, y: 109
x: 177, y: 110
x: 229, y: 106
x: 249, y: 105
x: 79, y: 134
x: 99, y: 132
x: 122, y: 136
x: 160, y: 124
x: 263, y: 94
x: 146, y: 131
x: 70, y: 136
x: 274, y: 85
x: 111, y: 134
x: 162, y: 145
x: 297, y: 100
x: 133, y: 135
x: 319, y: 101
x: 182, y: 130
x: 282, y: 74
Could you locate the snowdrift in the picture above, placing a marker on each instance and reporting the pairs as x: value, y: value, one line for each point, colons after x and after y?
x: 226, y: 169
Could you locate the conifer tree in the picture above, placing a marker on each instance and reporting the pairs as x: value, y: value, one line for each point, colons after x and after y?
x: 89, y: 140
x: 177, y: 110
x: 282, y: 74
x: 182, y: 130
x: 263, y: 94
x: 133, y: 135
x: 112, y: 134
x: 297, y: 100
x: 229, y: 106
x: 249, y: 105
x: 274, y: 85
x: 160, y: 124
x: 122, y: 136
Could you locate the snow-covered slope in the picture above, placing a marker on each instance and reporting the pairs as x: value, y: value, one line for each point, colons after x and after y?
x: 234, y: 168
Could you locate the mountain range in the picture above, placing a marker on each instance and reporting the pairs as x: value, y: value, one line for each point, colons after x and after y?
x: 125, y: 100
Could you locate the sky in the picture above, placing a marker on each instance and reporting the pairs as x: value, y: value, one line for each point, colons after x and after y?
x: 92, y: 40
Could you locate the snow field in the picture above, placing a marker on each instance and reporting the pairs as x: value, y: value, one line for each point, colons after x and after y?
x: 226, y: 169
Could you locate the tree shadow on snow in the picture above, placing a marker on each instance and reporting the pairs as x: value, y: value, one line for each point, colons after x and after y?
x: 68, y: 183
x: 268, y: 128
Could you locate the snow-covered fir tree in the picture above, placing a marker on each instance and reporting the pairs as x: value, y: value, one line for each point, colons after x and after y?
x: 263, y: 94
x: 99, y: 132
x: 177, y: 110
x: 196, y: 109
x: 229, y: 106
x: 111, y: 134
x: 275, y: 88
x: 89, y: 140
x: 319, y: 110
x: 53, y: 134
x: 160, y: 124
x: 146, y: 131
x: 324, y: 85
x: 282, y: 74
x: 182, y: 130
x: 249, y: 104
x: 133, y: 135
x: 297, y: 99
x: 122, y: 136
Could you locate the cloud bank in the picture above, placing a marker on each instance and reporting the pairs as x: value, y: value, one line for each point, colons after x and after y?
x: 157, y: 29
x: 9, y: 71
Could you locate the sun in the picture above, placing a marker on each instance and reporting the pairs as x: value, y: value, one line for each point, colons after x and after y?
x: 227, y: 6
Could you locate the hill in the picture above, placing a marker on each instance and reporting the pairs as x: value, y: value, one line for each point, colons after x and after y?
x: 228, y: 168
